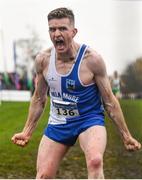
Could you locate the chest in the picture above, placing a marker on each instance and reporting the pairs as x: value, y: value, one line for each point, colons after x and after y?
x: 64, y: 68
x: 83, y: 72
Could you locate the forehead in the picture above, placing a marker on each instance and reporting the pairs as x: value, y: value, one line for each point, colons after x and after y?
x: 59, y: 22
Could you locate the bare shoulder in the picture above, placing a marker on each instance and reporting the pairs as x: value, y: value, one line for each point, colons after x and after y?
x: 95, y: 61
x: 42, y: 60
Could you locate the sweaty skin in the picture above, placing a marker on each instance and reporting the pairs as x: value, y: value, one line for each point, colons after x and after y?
x: 92, y: 70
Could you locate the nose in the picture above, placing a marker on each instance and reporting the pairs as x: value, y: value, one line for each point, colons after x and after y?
x: 57, y: 33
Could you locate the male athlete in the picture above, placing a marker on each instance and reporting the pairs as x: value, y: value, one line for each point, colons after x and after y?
x: 77, y: 80
x: 115, y: 83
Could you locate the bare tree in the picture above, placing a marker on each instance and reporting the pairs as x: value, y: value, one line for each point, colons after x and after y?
x: 132, y: 77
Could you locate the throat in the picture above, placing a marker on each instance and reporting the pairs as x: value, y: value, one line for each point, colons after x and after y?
x: 64, y: 66
x: 66, y: 59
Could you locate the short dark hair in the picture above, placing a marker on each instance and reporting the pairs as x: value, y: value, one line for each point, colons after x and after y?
x: 60, y: 13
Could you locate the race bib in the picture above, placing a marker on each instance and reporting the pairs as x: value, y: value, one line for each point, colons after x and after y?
x: 65, y: 109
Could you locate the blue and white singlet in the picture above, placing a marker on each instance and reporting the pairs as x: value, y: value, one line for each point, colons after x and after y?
x: 74, y: 107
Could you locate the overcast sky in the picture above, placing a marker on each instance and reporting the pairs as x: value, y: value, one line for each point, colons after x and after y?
x: 112, y: 27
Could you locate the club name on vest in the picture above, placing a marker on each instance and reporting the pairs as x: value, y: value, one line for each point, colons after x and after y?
x: 65, y: 96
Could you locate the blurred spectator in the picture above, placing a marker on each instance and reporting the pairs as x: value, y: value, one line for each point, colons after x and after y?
x: 0, y: 81
x: 17, y: 82
x: 115, y: 84
x: 13, y: 81
x: 6, y: 81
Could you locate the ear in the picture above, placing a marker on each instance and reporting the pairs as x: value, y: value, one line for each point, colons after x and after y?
x: 74, y: 32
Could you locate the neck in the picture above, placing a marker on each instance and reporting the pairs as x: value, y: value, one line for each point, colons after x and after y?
x: 70, y: 54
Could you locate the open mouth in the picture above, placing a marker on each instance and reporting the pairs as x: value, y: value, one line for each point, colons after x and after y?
x: 59, y: 43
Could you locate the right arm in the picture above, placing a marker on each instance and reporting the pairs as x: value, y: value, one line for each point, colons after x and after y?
x: 37, y: 104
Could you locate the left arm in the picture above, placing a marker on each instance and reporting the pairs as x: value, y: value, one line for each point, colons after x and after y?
x: 112, y: 105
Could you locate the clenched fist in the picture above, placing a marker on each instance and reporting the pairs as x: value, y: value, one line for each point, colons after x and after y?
x: 20, y: 139
x: 131, y: 144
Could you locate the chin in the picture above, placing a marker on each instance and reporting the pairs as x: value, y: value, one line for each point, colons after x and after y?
x: 64, y: 50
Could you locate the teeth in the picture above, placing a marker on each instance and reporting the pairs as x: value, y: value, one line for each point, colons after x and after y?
x: 59, y: 41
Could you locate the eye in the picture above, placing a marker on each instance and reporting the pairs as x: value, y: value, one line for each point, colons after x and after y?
x: 51, y: 29
x: 62, y: 28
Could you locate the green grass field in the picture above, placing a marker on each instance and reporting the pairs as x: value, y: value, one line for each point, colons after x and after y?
x: 19, y: 163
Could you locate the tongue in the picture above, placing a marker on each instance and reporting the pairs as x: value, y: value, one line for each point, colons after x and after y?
x: 60, y: 45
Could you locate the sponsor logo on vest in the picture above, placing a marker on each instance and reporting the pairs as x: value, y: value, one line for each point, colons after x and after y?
x: 70, y: 84
x: 51, y: 79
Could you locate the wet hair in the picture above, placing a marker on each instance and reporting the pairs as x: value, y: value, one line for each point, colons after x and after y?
x: 60, y: 13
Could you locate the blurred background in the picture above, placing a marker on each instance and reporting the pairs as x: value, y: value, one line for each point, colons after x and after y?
x: 114, y: 29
